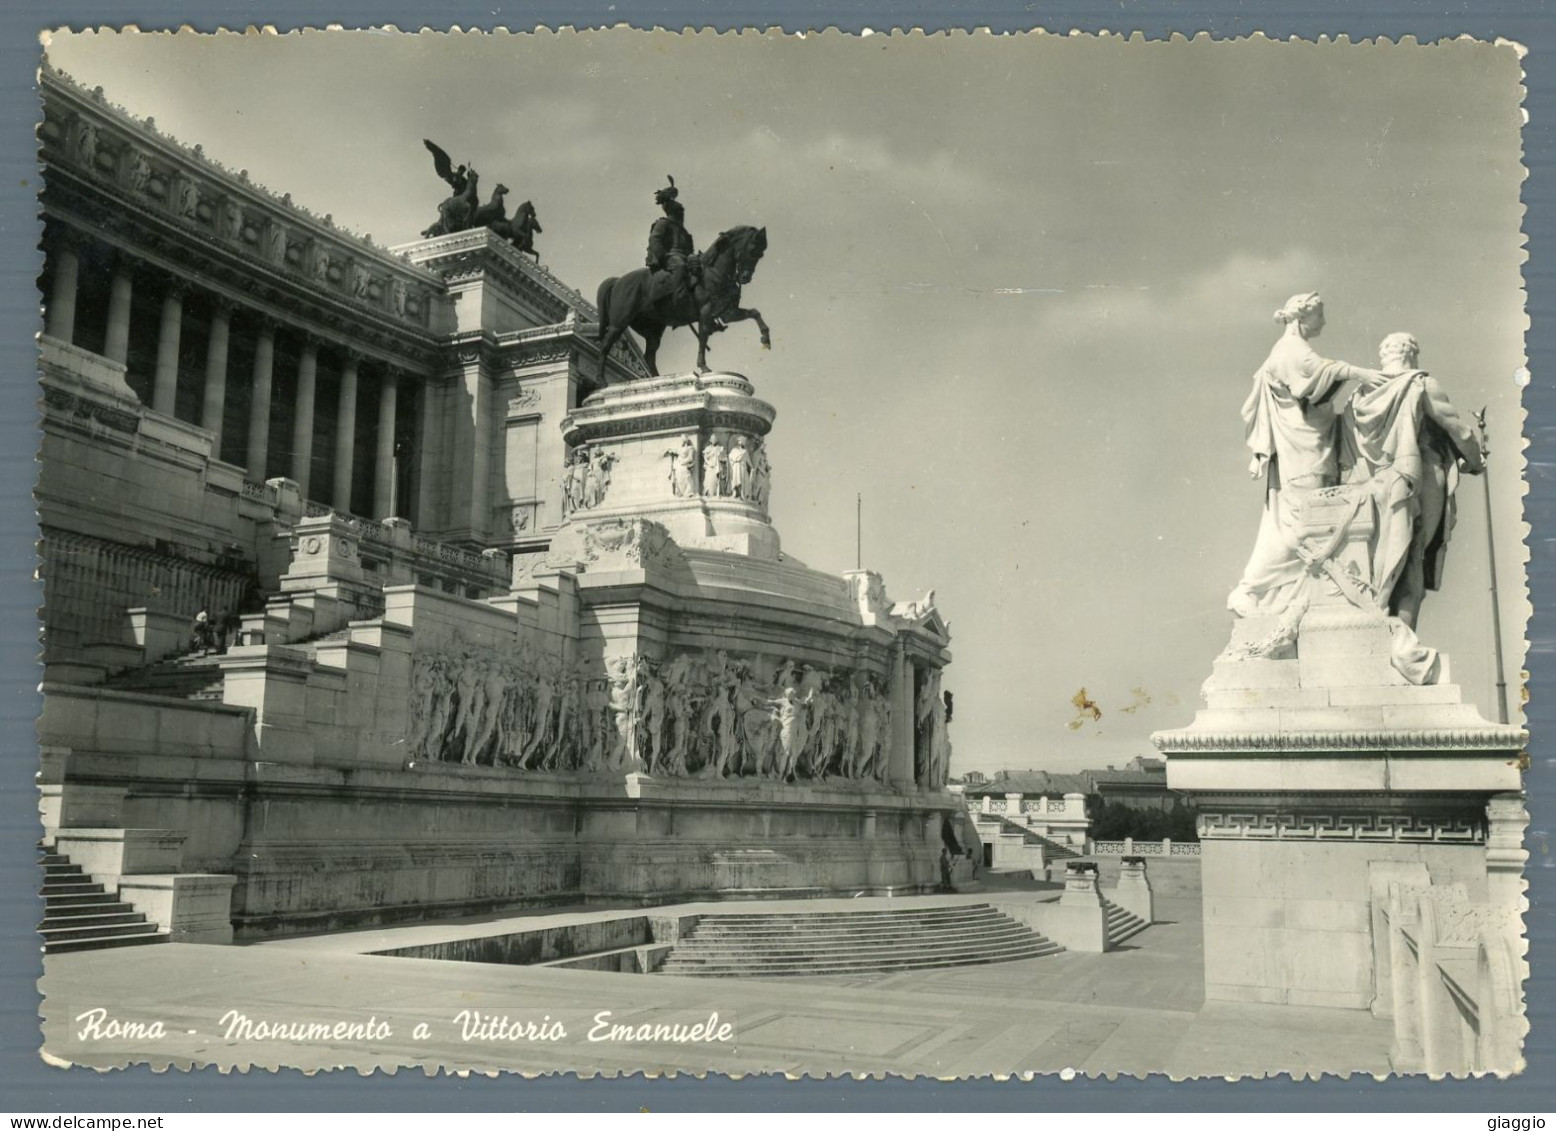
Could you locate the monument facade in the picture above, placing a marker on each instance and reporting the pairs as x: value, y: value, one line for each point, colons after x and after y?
x: 383, y: 583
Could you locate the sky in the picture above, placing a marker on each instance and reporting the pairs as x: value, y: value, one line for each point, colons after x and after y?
x: 1017, y: 286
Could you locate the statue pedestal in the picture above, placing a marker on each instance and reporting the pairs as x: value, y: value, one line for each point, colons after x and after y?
x: 633, y: 436
x: 1319, y: 773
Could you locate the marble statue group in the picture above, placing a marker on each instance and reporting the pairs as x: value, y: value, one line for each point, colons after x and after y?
x: 708, y: 715
x: 1384, y: 444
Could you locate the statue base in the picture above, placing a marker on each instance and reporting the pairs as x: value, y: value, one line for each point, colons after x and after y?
x: 1321, y: 774
x: 661, y: 450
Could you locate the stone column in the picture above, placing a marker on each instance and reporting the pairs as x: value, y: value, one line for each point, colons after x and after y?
x: 116, y: 347
x: 345, y: 434
x: 216, y: 373
x: 901, y: 691
x: 164, y: 389
x: 259, y: 407
x: 302, y: 421
x: 62, y: 298
x: 383, y: 478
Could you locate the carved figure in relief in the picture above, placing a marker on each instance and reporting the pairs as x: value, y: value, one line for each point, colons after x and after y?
x: 577, y: 484
x: 759, y: 475
x: 758, y: 728
x: 397, y: 296
x: 651, y: 714
x: 86, y: 144
x: 683, y: 471
x: 714, y: 468
x: 232, y: 219
x: 882, y: 737
x: 596, y: 728
x: 321, y: 266
x: 565, y: 740
x: 468, y: 684
x: 493, y: 694
x: 789, y: 712
x: 597, y: 477
x: 1410, y: 444
x: 275, y: 239
x: 1292, y: 417
x: 719, y: 723
x: 541, y: 722
x: 622, y: 674
x: 140, y: 172
x: 361, y: 282
x: 852, y: 732
x: 188, y: 199
x: 678, y: 705
x: 737, y: 459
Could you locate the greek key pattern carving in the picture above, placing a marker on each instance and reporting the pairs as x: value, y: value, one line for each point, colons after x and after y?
x: 1392, y: 827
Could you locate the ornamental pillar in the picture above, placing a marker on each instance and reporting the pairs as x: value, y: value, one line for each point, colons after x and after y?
x: 302, y: 420
x: 259, y: 407
x: 215, y: 403
x: 62, y: 298
x: 345, y: 434
x: 164, y: 389
x: 383, y: 478
x: 116, y: 346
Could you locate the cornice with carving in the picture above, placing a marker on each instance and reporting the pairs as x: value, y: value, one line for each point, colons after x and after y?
x: 1491, y: 739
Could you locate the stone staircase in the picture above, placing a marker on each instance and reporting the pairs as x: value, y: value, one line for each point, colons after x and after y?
x: 991, y: 826
x: 181, y: 677
x: 1121, y: 924
x: 79, y: 915
x: 778, y: 944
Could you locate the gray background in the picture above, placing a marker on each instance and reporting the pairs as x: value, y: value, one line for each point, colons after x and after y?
x: 25, y: 1084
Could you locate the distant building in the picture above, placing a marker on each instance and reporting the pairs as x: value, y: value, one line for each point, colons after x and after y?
x: 1140, y: 784
x: 974, y: 777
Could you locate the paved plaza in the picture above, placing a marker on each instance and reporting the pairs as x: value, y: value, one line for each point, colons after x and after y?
x: 1139, y: 1009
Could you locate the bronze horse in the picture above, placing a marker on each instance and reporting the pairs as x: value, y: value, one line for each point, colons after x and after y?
x: 521, y: 230
x: 727, y: 265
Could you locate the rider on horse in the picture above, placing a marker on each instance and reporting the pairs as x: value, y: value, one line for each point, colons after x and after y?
x: 671, y: 251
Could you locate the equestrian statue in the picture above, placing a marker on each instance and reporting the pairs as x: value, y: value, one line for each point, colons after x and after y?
x: 463, y: 210
x: 679, y: 286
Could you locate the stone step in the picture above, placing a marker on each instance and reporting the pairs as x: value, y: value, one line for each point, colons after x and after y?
x: 96, y: 931
x: 78, y: 898
x: 103, y: 942
x: 852, y: 946
x: 73, y: 885
x: 91, y: 919
x: 836, y: 924
x: 53, y: 858
x: 852, y: 916
x: 63, y: 868
x: 76, y: 907
x: 926, y: 961
x: 831, y: 938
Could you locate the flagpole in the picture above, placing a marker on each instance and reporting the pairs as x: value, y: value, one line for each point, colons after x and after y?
x: 858, y: 531
x: 1491, y: 552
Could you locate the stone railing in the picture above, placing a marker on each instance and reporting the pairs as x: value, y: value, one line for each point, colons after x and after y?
x: 1450, y: 973
x: 351, y: 557
x: 1131, y: 847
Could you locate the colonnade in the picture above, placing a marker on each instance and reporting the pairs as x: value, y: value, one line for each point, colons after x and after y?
x: 61, y: 318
